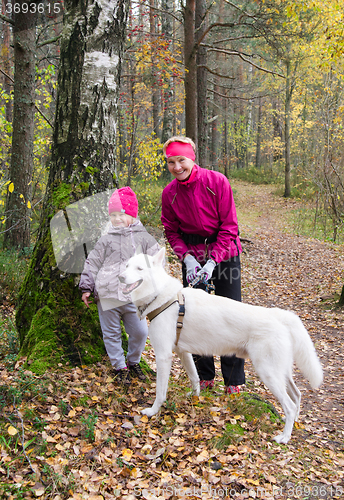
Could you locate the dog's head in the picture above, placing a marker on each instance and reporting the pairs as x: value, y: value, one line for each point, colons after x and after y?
x: 143, y: 275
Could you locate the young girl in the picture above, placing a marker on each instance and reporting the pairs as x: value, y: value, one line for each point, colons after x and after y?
x: 100, y: 276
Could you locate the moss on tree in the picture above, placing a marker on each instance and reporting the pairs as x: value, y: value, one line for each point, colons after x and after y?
x: 53, y: 323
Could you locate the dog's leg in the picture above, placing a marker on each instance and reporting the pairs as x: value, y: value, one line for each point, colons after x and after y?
x: 276, y: 384
x: 294, y: 394
x: 190, y: 368
x: 163, y: 368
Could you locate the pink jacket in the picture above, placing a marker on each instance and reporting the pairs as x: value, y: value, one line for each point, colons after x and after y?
x: 203, y: 206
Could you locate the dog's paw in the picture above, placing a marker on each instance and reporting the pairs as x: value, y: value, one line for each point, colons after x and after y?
x: 281, y: 439
x: 149, y: 412
x: 193, y: 392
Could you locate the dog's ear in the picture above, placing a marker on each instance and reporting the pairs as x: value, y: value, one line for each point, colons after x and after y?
x: 159, y: 258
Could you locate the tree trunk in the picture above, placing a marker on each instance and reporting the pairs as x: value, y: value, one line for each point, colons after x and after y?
x: 259, y: 135
x: 276, y: 128
x: 225, y: 138
x: 53, y: 324
x: 287, y: 187
x: 215, y: 129
x: 239, y: 123
x: 18, y: 201
x: 217, y: 103
x: 167, y: 30
x: 202, y: 133
x: 155, y: 88
x: 341, y: 298
x: 6, y: 65
x: 190, y: 80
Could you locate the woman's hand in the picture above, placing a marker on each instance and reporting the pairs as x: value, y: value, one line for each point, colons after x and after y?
x: 192, y: 267
x: 85, y: 297
x: 207, y: 270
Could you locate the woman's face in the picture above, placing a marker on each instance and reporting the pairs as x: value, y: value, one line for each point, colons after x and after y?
x: 180, y: 167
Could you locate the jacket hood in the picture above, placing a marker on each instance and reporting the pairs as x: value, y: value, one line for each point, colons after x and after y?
x: 135, y: 227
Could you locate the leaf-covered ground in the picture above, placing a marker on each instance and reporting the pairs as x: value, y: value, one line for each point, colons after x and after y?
x: 76, y: 435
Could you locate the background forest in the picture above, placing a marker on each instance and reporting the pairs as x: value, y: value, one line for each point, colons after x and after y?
x: 258, y: 85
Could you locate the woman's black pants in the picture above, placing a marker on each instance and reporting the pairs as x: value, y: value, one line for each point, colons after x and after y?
x: 227, y: 280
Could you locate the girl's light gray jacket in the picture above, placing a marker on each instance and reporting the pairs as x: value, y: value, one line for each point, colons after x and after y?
x: 108, y: 259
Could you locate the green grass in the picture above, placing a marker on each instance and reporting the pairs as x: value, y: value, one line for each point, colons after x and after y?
x: 256, y: 416
x: 307, y: 222
x: 259, y: 176
x: 89, y: 424
x: 23, y: 387
x: 13, y: 266
x: 9, y: 342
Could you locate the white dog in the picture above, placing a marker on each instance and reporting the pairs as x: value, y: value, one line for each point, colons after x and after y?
x: 271, y: 338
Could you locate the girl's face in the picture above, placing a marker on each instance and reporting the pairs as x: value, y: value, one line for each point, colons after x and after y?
x: 180, y: 167
x: 119, y: 219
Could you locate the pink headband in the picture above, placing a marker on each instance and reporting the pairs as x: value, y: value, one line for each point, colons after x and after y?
x: 180, y: 149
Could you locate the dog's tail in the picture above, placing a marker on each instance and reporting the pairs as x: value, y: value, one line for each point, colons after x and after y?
x: 305, y: 356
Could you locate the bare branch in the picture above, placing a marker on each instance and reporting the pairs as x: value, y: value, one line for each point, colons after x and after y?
x: 211, y: 48
x: 214, y: 72
x: 241, y: 10
x: 216, y: 25
x: 235, y: 38
x: 47, y: 42
x: 5, y: 74
x: 239, y: 54
x: 237, y: 97
x: 7, y: 19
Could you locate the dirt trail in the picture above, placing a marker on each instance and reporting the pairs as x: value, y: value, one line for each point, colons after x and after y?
x: 292, y: 272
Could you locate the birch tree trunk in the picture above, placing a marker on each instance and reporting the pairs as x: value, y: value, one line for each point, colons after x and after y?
x: 53, y: 324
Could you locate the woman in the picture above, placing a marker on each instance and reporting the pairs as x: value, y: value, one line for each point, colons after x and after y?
x: 200, y: 222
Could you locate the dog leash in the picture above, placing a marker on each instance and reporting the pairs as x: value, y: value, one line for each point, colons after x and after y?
x: 209, y: 287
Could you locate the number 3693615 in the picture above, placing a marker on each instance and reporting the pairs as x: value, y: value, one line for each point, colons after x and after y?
x: 33, y: 7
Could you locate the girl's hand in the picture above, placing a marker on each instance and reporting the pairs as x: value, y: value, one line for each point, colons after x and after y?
x: 85, y: 297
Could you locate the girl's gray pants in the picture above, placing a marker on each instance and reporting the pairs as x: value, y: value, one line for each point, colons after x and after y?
x: 137, y: 331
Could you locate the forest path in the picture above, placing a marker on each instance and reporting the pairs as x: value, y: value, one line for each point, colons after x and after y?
x: 90, y: 441
x: 281, y: 269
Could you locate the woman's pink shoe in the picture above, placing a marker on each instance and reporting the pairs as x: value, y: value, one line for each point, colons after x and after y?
x: 206, y: 384
x: 232, y: 389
